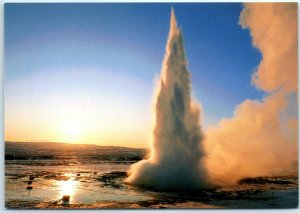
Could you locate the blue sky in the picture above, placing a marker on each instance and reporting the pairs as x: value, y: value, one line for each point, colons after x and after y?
x: 68, y: 53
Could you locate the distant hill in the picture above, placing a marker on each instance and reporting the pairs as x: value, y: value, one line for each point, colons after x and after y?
x: 54, y: 150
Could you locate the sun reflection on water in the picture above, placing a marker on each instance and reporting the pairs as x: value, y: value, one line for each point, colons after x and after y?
x: 67, y: 188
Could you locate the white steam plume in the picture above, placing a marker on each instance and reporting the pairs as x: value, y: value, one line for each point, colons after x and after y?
x: 262, y: 137
x: 176, y: 161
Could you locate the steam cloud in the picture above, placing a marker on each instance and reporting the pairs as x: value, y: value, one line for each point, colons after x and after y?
x: 261, y: 138
x: 176, y: 161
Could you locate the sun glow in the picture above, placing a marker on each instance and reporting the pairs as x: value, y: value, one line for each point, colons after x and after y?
x: 67, y: 188
x: 72, y: 131
x: 79, y: 119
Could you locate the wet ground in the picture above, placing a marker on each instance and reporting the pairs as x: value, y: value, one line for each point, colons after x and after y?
x: 102, y: 185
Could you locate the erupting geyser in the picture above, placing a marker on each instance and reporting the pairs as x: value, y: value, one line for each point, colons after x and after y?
x: 177, y: 153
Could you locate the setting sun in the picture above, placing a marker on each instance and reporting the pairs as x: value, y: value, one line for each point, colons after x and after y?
x: 71, y: 131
